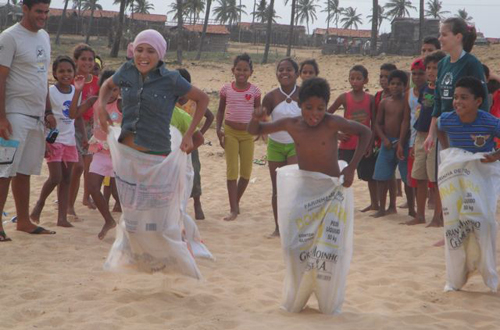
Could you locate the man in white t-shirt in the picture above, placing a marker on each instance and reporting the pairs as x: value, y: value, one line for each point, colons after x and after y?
x: 24, y: 108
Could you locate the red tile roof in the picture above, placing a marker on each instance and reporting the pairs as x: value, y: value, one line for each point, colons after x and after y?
x: 248, y: 25
x: 149, y: 17
x: 345, y: 32
x: 211, y: 29
x: 84, y: 13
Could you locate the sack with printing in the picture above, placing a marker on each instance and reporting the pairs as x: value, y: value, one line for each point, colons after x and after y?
x: 469, y: 190
x: 151, y: 189
x: 315, y: 217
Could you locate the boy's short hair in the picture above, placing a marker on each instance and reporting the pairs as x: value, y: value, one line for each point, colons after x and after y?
x: 105, y: 75
x: 30, y: 3
x: 434, y: 57
x: 58, y: 60
x: 388, y: 67
x: 361, y: 69
x: 474, y: 85
x: 291, y: 61
x: 486, y: 70
x: 318, y: 87
x: 399, y: 74
x: 432, y: 41
x: 245, y: 58
x: 311, y: 62
x: 185, y: 74
x: 80, y: 48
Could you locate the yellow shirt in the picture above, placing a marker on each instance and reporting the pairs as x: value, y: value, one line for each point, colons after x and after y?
x: 189, y: 107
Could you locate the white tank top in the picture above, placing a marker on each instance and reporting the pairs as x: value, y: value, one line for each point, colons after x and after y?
x: 413, y: 103
x: 287, y: 108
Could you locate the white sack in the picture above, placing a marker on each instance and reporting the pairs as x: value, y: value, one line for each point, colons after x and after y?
x: 192, y: 233
x: 315, y: 217
x: 151, y: 190
x: 469, y: 190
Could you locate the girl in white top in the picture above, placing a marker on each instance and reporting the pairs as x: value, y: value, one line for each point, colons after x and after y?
x: 62, y: 154
x: 282, y: 103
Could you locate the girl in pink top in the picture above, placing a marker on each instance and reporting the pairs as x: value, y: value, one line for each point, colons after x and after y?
x: 237, y: 103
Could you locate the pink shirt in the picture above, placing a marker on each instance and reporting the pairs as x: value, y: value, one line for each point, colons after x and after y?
x: 240, y: 103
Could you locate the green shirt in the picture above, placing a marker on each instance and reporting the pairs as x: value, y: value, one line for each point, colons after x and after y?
x: 181, y: 120
x: 448, y: 75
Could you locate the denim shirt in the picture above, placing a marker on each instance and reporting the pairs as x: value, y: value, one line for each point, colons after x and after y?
x: 147, y: 105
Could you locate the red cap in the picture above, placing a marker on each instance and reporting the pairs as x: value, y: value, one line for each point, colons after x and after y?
x: 418, y: 64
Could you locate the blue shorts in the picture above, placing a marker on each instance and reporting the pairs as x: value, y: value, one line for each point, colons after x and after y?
x: 387, y: 161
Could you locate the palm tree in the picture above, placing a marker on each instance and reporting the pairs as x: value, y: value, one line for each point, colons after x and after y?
x: 421, y: 22
x: 270, y: 12
x: 180, y: 26
x: 376, y: 22
x: 435, y: 9
x: 119, y: 31
x: 194, y: 8
x: 59, y: 28
x: 306, y: 11
x: 399, y: 8
x: 228, y: 11
x: 351, y: 18
x: 261, y: 11
x: 175, y: 10
x: 143, y: 7
x: 91, y: 5
x: 290, y: 34
x: 464, y: 15
x: 205, y: 26
x: 380, y: 13
x: 333, y: 13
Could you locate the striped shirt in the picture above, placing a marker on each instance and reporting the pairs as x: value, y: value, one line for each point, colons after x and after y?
x: 477, y: 136
x: 240, y: 103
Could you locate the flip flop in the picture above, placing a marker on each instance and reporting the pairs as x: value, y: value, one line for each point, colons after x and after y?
x: 3, y: 237
x: 41, y: 231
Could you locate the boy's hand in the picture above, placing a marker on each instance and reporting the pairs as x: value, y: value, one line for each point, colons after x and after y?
x: 187, y: 143
x: 369, y: 151
x: 79, y: 82
x: 429, y: 143
x: 348, y: 173
x: 5, y: 128
x: 343, y: 137
x: 221, y: 136
x: 400, y: 152
x: 50, y: 121
x: 387, y: 144
x: 260, y: 113
x: 412, y: 153
x: 490, y: 158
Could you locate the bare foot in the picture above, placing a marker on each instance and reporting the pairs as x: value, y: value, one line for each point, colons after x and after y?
x: 198, y: 213
x: 232, y: 216
x: 414, y: 221
x: 89, y: 203
x: 379, y: 214
x: 117, y: 208
x: 439, y: 243
x: 64, y: 223
x: 435, y: 223
x: 35, y: 214
x: 276, y: 233
x: 404, y: 206
x: 71, y: 211
x: 107, y: 227
x: 391, y: 210
x: 412, y: 213
x: 370, y: 208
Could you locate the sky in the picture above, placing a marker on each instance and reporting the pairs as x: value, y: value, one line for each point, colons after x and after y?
x: 484, y: 12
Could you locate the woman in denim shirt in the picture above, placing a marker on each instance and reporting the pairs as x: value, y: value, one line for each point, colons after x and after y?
x: 149, y: 93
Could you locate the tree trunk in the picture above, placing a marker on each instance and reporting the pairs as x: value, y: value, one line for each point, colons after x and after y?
x: 180, y: 26
x: 268, y: 31
x: 290, y: 37
x: 119, y: 31
x: 87, y: 38
x: 421, y: 24
x: 204, y: 32
x: 374, y: 28
x: 59, y: 28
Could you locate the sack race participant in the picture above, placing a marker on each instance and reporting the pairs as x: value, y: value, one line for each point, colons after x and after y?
x: 151, y: 189
x: 469, y: 190
x: 315, y: 217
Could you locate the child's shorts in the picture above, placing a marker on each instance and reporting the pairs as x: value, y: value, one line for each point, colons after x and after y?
x: 346, y: 155
x: 58, y: 152
x: 102, y: 165
x: 239, y: 147
x: 279, y: 152
x: 412, y: 182
x: 424, y: 167
x: 387, y: 161
x: 366, y: 167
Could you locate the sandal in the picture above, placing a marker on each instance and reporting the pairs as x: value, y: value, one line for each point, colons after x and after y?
x: 3, y: 237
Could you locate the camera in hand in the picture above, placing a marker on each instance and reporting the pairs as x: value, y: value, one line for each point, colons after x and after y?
x: 52, y: 136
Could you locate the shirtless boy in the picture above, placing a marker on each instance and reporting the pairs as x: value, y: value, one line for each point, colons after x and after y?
x: 392, y: 126
x: 315, y: 132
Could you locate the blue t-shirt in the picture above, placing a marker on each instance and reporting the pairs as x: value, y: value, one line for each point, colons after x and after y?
x: 426, y: 100
x: 477, y: 136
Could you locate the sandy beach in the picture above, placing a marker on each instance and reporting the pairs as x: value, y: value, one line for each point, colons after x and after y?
x: 396, y: 277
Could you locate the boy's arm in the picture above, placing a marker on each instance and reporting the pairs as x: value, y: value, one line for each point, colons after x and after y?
x: 403, y: 131
x: 209, y: 119
x: 201, y: 100
x: 364, y: 135
x: 198, y: 139
x: 372, y: 126
x: 257, y: 127
x: 50, y: 120
x: 379, y: 122
x: 340, y: 101
x: 220, y: 119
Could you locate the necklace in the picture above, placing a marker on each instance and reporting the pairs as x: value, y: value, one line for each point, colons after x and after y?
x: 288, y: 96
